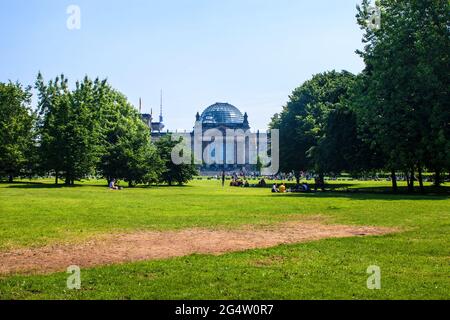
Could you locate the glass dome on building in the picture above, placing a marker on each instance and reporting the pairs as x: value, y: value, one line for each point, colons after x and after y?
x: 222, y: 113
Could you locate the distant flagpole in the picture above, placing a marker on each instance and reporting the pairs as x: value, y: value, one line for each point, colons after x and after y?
x: 161, y: 108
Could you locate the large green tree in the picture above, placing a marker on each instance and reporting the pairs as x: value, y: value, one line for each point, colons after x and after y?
x: 304, y: 120
x: 404, y: 99
x: 93, y: 130
x: 17, y: 130
x: 68, y: 128
x: 128, y: 153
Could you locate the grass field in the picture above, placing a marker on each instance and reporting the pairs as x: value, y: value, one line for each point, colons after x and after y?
x: 415, y: 263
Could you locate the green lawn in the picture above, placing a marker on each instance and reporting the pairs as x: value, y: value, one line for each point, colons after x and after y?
x: 415, y: 263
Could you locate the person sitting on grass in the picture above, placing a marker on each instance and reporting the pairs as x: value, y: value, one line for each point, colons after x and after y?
x: 275, y: 188
x: 236, y: 183
x: 246, y: 184
x: 305, y: 187
x: 262, y: 183
x: 283, y: 188
x: 112, y: 185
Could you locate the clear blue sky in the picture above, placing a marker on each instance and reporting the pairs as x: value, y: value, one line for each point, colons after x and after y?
x: 250, y: 53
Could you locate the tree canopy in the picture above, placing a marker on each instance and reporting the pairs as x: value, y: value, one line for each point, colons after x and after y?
x: 394, y: 116
x: 17, y: 134
x: 173, y: 173
x: 403, y: 101
x: 304, y: 121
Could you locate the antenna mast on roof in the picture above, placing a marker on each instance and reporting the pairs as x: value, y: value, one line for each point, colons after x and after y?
x: 161, y: 108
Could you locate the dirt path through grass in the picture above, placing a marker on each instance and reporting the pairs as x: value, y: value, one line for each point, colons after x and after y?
x: 121, y: 248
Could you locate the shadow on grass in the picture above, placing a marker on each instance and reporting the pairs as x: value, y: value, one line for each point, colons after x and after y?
x: 372, y: 195
x: 43, y: 185
x: 332, y: 191
x: 380, y: 193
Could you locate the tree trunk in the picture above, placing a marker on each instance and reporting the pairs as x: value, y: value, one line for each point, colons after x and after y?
x: 408, y: 182
x: 411, y: 183
x: 422, y: 189
x: 322, y: 181
x: 394, y: 182
x: 56, y: 178
x: 437, y: 178
x: 11, y: 178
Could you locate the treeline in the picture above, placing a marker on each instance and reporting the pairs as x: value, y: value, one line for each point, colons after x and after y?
x: 393, y: 117
x: 88, y: 132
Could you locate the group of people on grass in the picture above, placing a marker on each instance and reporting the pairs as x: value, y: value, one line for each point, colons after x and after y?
x: 245, y: 184
x: 240, y: 183
x: 304, y: 187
